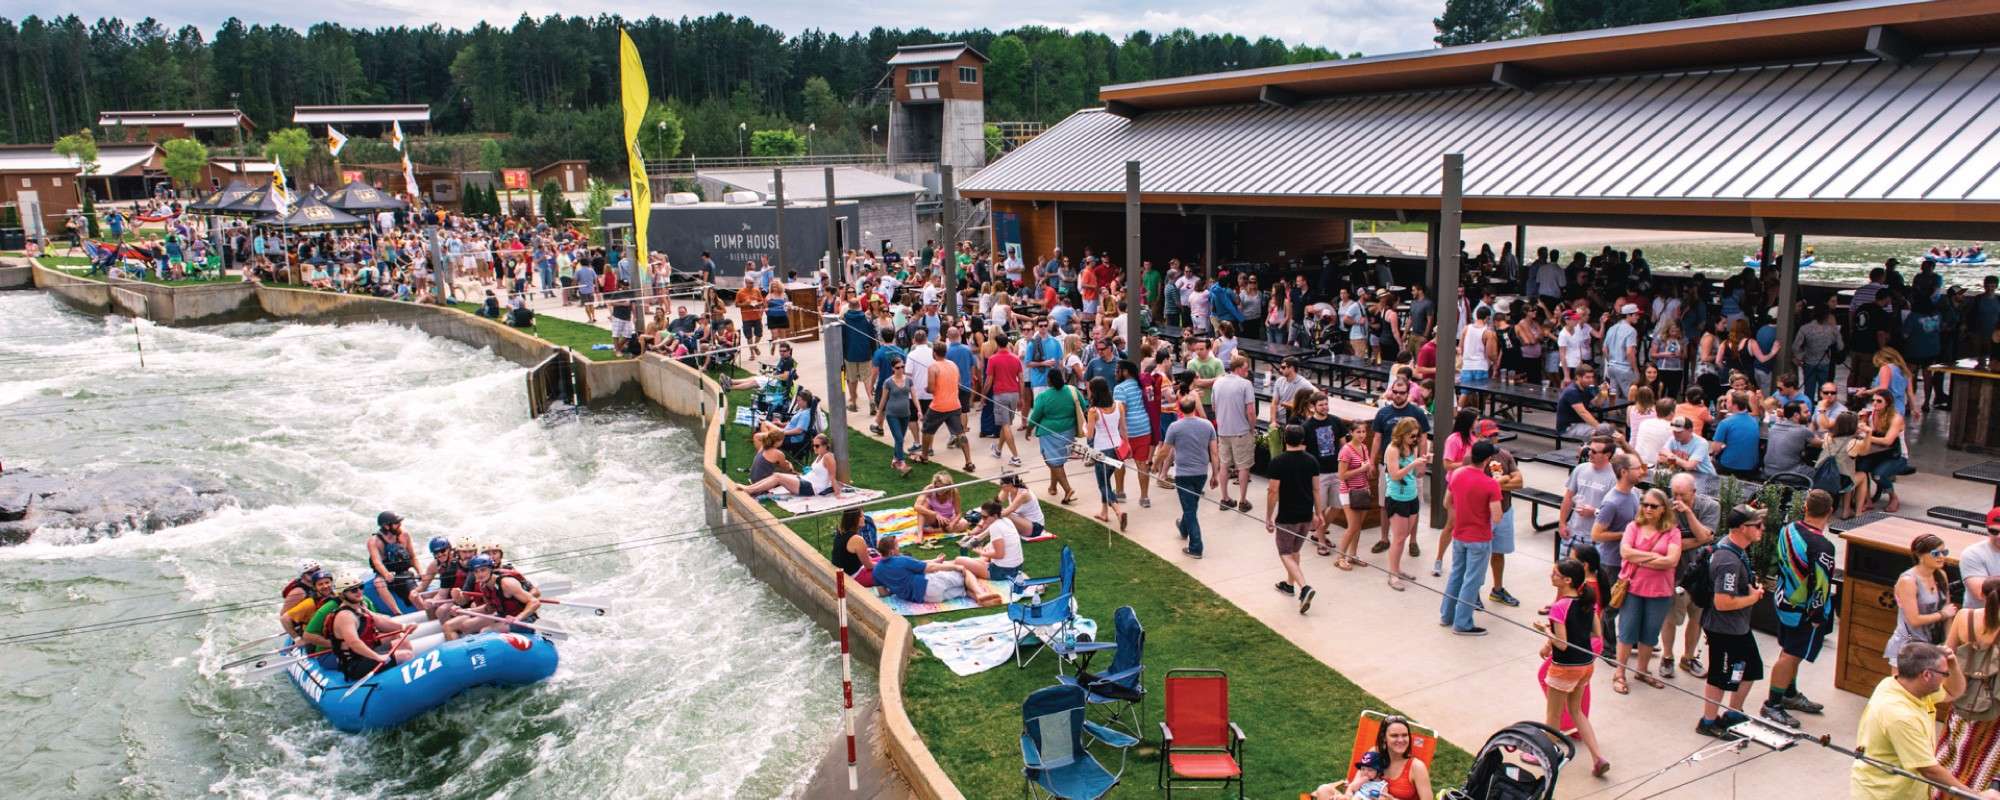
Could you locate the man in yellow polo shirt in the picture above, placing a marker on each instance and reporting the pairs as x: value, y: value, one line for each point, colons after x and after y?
x: 1899, y: 727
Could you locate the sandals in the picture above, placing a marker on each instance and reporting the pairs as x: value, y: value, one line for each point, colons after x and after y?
x: 1121, y: 522
x: 1068, y: 500
x: 1619, y: 685
x: 1344, y: 564
x: 1648, y: 679
x: 1597, y: 770
x: 1396, y: 584
x: 1325, y: 549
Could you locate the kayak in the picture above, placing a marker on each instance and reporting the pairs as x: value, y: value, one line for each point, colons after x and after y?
x: 1754, y: 262
x: 395, y: 695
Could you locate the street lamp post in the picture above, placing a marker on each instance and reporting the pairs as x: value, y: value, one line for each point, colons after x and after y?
x: 811, y: 128
x: 742, y: 136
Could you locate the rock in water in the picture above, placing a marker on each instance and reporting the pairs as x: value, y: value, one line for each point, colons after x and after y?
x: 143, y: 498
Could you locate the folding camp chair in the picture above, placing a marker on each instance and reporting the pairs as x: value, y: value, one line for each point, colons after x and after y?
x: 1367, y: 730
x: 1121, y: 688
x: 1199, y: 743
x: 1044, y: 619
x: 1054, y: 761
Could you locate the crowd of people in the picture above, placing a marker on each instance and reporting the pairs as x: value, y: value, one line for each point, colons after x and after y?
x: 1654, y: 380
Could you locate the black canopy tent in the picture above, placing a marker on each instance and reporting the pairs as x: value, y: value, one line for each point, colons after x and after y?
x: 256, y: 203
x: 212, y: 201
x: 311, y: 213
x: 359, y: 198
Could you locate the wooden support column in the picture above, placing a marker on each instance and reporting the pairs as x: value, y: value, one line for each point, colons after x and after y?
x: 1445, y: 260
x: 1788, y: 295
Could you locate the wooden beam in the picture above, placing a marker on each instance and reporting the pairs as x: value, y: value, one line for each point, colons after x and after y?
x: 1121, y: 108
x: 1887, y: 44
x: 1517, y: 77
x: 1277, y: 96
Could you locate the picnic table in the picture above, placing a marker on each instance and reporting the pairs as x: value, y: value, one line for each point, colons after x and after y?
x: 1253, y: 349
x: 1506, y: 402
x: 1987, y: 472
x: 1341, y: 370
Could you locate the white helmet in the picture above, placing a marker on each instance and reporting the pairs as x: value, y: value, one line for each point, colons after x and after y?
x: 464, y: 542
x: 347, y: 579
x: 307, y: 565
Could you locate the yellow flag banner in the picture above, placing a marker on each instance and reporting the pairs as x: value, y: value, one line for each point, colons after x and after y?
x: 636, y: 97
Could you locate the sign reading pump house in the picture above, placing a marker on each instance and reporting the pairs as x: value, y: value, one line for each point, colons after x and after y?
x: 733, y: 235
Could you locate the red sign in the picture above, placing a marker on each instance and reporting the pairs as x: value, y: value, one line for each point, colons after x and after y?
x: 351, y: 175
x: 514, y: 178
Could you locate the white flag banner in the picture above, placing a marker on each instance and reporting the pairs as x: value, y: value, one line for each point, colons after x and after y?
x: 410, y: 178
x: 396, y: 134
x: 334, y: 141
x: 280, y: 195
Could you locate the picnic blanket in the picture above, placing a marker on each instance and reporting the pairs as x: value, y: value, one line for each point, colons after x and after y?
x: 807, y: 505
x: 909, y: 609
x: 976, y: 644
x: 746, y: 416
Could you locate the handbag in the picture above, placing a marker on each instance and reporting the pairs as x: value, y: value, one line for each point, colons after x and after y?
x: 1618, y: 592
x: 1361, y: 499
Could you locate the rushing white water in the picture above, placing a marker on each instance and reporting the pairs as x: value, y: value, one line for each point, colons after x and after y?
x: 702, y: 683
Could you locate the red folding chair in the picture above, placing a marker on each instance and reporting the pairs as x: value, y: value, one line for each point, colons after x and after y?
x: 1199, y: 742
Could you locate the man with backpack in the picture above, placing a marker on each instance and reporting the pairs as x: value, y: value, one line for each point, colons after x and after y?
x: 1731, y: 589
x: 1805, y: 610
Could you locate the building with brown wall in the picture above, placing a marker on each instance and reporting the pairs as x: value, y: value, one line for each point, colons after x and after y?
x: 570, y: 175
x: 215, y: 126
x: 939, y: 109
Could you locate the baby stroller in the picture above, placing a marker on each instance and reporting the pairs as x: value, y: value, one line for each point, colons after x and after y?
x: 1521, y: 762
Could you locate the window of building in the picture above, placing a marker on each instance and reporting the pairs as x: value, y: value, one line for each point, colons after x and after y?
x: 25, y: 183
x: 968, y: 74
x: 923, y: 74
x: 58, y: 181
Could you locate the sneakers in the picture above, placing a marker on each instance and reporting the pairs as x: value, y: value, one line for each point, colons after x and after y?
x: 1379, y: 547
x: 1713, y: 729
x: 1306, y: 596
x: 1692, y: 666
x: 1437, y: 569
x: 1501, y: 596
x: 1014, y: 461
x: 1798, y: 702
x: 1145, y: 502
x: 1778, y: 715
x: 1472, y: 631
x: 1190, y: 553
x: 1243, y: 505
x: 1285, y: 587
x: 995, y: 450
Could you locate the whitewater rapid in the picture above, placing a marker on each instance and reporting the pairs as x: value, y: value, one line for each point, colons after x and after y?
x: 703, y: 683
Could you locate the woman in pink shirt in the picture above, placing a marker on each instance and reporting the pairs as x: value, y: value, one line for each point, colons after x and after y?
x: 1651, y: 549
x: 1357, y: 468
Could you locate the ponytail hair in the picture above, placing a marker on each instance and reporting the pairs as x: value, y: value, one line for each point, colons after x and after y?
x: 1577, y: 575
x: 1989, y: 594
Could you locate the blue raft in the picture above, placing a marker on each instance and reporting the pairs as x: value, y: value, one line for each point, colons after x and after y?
x: 395, y: 695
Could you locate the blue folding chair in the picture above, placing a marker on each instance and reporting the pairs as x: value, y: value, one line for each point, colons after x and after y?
x: 1054, y: 761
x: 1044, y: 619
x: 1120, y: 689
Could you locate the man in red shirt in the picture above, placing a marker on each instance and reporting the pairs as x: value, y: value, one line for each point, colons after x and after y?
x: 1475, y: 504
x: 1003, y: 392
x: 945, y: 410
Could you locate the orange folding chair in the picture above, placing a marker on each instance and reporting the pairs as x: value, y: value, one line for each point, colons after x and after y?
x: 1199, y: 743
x: 1423, y: 741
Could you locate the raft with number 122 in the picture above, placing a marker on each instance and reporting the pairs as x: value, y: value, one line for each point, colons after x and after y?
x: 395, y: 695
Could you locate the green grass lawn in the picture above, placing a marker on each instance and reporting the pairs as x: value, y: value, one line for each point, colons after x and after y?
x: 564, y: 333
x: 83, y: 271
x: 1297, y: 713
x: 56, y: 261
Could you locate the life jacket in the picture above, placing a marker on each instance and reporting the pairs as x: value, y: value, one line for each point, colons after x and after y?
x: 300, y: 584
x: 365, y: 627
x: 500, y: 601
x: 394, y: 557
x: 451, y: 573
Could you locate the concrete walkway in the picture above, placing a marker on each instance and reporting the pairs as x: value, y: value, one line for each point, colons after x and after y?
x: 1390, y: 644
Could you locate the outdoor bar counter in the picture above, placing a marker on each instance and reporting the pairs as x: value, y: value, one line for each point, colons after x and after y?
x: 1975, y: 406
x: 1877, y: 553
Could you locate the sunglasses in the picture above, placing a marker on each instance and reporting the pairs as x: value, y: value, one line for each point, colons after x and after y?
x: 1941, y: 552
x: 1651, y: 505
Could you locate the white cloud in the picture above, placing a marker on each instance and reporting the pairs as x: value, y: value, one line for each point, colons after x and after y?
x: 1370, y: 26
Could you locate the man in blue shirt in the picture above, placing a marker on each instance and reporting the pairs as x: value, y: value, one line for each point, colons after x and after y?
x: 1042, y: 353
x: 1103, y: 363
x: 917, y: 581
x: 1686, y: 451
x: 960, y: 354
x: 1736, y: 439
x: 857, y: 347
x: 885, y: 358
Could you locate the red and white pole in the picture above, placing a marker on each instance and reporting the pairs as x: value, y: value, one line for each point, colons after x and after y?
x: 846, y: 680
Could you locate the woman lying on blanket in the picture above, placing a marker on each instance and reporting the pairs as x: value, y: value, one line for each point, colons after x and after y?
x: 940, y: 507
x: 936, y: 581
x: 820, y: 478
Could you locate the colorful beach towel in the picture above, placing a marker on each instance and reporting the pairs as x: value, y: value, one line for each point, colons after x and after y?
x: 806, y: 505
x: 909, y: 609
x: 976, y: 644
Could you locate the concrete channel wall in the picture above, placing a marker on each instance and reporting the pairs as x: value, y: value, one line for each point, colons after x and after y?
x: 798, y: 572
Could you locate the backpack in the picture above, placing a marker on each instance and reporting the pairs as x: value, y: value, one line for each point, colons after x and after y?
x: 1981, y: 666
x: 1697, y: 580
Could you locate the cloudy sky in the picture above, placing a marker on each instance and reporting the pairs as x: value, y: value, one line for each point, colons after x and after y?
x: 1370, y: 26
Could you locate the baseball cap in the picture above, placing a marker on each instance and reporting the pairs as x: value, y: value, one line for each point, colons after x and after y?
x: 1684, y: 423
x: 1485, y: 428
x: 1629, y: 308
x: 1373, y: 759
x: 1993, y: 518
x: 1744, y: 515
